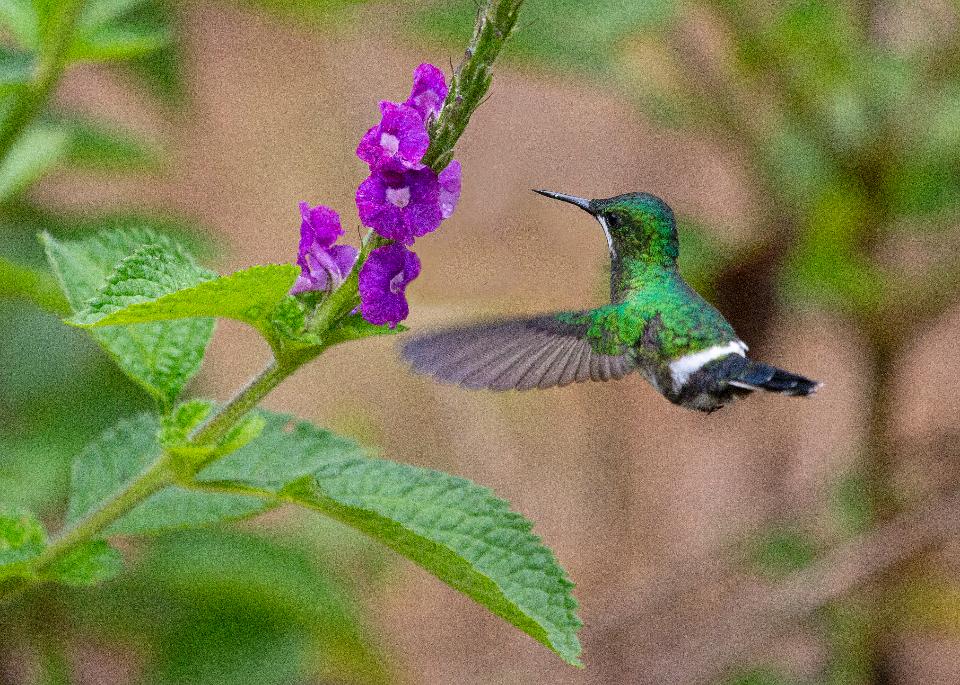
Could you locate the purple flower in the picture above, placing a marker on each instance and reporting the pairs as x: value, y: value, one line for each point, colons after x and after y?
x: 449, y: 188
x: 400, y: 206
x: 428, y: 92
x: 323, y: 265
x: 383, y: 283
x: 398, y: 142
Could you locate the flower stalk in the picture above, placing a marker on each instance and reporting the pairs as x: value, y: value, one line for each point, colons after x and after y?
x: 470, y: 83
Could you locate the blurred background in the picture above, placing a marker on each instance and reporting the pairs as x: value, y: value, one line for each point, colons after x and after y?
x: 812, y: 153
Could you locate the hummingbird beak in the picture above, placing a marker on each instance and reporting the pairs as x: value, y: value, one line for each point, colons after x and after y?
x: 580, y: 202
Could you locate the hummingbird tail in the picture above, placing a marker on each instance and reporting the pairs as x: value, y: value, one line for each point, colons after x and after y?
x: 760, y: 376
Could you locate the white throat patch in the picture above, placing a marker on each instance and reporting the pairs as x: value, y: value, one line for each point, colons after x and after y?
x: 606, y: 232
x: 682, y: 368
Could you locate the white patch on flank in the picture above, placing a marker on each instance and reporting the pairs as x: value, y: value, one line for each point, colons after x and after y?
x: 681, y: 369
x: 606, y: 232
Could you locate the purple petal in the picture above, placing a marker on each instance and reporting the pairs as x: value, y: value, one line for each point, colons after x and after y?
x: 428, y: 92
x: 400, y: 206
x: 323, y: 265
x: 318, y: 225
x: 383, y: 282
x: 398, y: 141
x: 450, y: 181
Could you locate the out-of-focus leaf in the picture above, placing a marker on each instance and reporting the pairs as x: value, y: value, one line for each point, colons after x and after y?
x: 851, y: 506
x: 96, y: 13
x: 566, y: 34
x: 828, y: 268
x: 20, y: 18
x: 22, y: 537
x: 236, y: 609
x: 162, y: 357
x: 758, y: 676
x: 101, y: 147
x: 780, y: 551
x: 702, y: 254
x: 89, y: 564
x: 453, y: 528
x: 924, y: 186
x: 32, y: 284
x: 112, y: 43
x: 847, y: 629
x: 16, y: 70
x: 37, y: 150
x: 929, y: 602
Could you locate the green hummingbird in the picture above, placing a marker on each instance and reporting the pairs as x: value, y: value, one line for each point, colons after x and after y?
x: 655, y: 324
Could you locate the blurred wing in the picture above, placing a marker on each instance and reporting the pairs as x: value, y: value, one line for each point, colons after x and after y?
x: 515, y: 354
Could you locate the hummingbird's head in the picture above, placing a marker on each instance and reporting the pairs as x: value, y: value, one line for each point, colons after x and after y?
x: 638, y: 225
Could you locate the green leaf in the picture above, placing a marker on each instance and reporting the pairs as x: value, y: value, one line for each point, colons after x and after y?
x: 161, y: 357
x: 101, y: 147
x: 22, y: 538
x: 780, y: 551
x: 355, y: 327
x: 89, y: 564
x: 96, y: 13
x: 20, y: 18
x: 37, y: 150
x: 176, y: 426
x: 32, y: 284
x: 453, y: 528
x: 250, y: 296
x: 237, y: 609
x: 118, y: 456
x: 118, y: 42
x: 16, y: 70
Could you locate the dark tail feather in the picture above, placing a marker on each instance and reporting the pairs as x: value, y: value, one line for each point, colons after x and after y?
x: 760, y: 376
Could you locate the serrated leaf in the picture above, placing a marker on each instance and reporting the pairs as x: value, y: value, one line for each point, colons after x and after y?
x: 20, y: 18
x: 119, y: 455
x: 453, y: 528
x: 22, y: 537
x: 355, y: 327
x: 37, y: 150
x: 101, y: 147
x: 88, y: 564
x: 161, y: 357
x: 250, y: 295
x: 118, y: 42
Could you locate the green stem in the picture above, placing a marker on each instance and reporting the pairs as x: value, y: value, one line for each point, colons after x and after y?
x: 246, y: 399
x: 55, y: 40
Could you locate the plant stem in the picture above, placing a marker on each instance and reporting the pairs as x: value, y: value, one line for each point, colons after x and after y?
x: 246, y: 399
x: 55, y: 42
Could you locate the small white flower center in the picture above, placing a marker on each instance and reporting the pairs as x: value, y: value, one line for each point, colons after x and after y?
x: 399, y: 197
x: 390, y: 143
x: 396, y: 283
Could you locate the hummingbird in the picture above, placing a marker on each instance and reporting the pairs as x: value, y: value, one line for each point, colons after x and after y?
x: 655, y: 324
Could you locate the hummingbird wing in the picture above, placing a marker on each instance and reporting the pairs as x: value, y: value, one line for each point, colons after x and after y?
x: 517, y: 354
